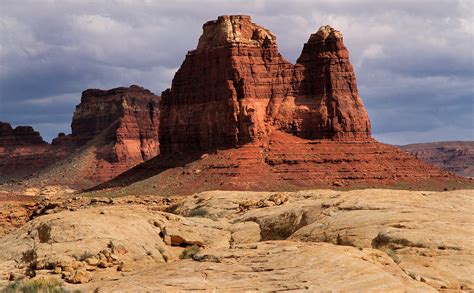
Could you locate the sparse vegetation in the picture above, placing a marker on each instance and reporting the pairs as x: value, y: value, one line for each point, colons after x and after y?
x: 116, y: 248
x: 44, y: 233
x: 383, y: 243
x: 199, y: 212
x: 111, y: 245
x: 189, y: 252
x: 85, y: 255
x: 163, y: 254
x: 391, y: 253
x: 172, y: 208
x: 29, y: 257
x: 36, y: 286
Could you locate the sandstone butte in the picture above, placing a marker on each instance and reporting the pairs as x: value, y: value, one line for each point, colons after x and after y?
x: 112, y: 131
x: 22, y: 149
x: 238, y: 116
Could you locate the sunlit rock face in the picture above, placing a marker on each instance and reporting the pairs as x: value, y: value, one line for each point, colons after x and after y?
x: 122, y: 123
x: 236, y: 88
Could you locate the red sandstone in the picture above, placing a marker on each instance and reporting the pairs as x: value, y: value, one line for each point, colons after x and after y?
x: 236, y: 88
x: 112, y: 131
x: 238, y: 116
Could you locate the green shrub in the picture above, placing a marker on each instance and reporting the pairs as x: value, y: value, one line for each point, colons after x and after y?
x: 189, y: 252
x: 172, y: 208
x: 85, y: 255
x: 199, y: 212
x: 392, y: 253
x: 36, y: 286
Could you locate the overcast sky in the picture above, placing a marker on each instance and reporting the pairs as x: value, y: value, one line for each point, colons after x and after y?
x: 413, y: 59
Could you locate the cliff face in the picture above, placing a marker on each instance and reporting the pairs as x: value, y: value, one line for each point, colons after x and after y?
x: 325, y: 84
x: 126, y: 117
x: 219, y: 95
x: 453, y: 156
x: 236, y: 88
x: 247, y: 119
x: 22, y: 151
x: 118, y: 127
x: 20, y: 136
x: 112, y: 131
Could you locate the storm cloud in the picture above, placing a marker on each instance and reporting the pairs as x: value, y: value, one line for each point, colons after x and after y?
x: 413, y: 59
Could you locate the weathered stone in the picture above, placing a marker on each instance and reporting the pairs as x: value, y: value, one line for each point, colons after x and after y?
x: 79, y: 277
x: 236, y: 88
x: 93, y: 261
x: 245, y: 232
x: 112, y: 131
x: 275, y: 125
x: 23, y: 151
x: 177, y: 235
x: 126, y: 120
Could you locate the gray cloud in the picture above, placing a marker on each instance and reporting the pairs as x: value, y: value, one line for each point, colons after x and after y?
x: 413, y: 60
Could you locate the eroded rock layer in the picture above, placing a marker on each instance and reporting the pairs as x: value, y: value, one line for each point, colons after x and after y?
x: 236, y: 88
x: 326, y: 85
x: 285, y: 163
x: 453, y: 156
x: 114, y: 130
x: 21, y: 135
x: 23, y: 150
x: 275, y: 125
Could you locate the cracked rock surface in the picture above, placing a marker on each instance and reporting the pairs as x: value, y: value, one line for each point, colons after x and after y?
x: 225, y: 240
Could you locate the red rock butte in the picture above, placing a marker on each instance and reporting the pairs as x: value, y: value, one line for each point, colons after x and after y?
x: 236, y: 88
x: 22, y: 149
x: 112, y: 131
x: 239, y: 116
x: 122, y: 126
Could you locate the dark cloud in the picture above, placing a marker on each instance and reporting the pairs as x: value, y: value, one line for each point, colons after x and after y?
x: 413, y: 59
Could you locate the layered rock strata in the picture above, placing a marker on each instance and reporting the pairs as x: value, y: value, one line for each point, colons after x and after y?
x: 21, y: 135
x: 112, y: 131
x: 22, y: 149
x: 263, y: 123
x: 285, y: 163
x: 453, y: 156
x: 236, y: 88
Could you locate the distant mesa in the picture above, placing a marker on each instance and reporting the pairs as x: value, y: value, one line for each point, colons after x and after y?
x: 23, y: 150
x: 19, y: 136
x: 453, y: 156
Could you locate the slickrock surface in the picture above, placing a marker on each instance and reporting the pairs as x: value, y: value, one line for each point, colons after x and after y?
x: 22, y: 150
x: 236, y: 88
x: 312, y: 240
x: 429, y: 234
x: 453, y: 156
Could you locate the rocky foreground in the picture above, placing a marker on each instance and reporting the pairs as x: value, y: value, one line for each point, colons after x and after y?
x: 409, y: 241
